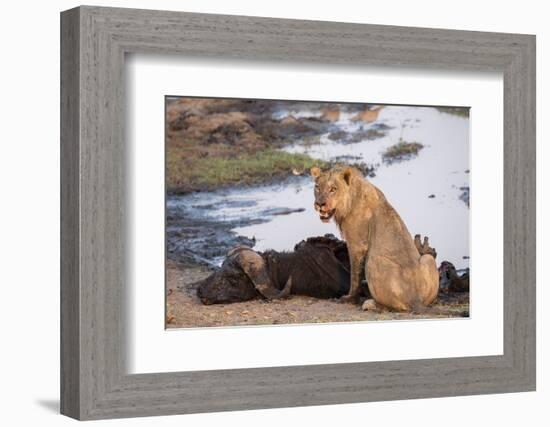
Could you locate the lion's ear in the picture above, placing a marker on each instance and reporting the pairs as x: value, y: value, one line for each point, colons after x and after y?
x: 346, y: 174
x: 315, y: 172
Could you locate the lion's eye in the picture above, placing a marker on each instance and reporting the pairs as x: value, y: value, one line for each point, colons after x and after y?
x: 332, y: 189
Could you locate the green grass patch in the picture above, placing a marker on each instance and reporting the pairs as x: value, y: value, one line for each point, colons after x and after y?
x: 456, y: 111
x: 211, y: 172
x: 402, y: 150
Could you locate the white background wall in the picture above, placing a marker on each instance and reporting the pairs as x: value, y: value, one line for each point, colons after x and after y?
x: 29, y: 224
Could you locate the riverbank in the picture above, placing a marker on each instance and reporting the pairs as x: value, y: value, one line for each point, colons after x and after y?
x: 213, y: 143
x: 216, y: 143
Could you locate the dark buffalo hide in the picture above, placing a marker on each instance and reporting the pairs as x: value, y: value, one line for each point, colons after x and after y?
x: 318, y: 267
x: 451, y: 281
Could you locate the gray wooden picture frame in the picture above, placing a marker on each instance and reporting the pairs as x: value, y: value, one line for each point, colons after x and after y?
x: 94, y: 41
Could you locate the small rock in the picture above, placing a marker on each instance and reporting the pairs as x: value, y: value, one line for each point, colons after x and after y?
x: 431, y: 196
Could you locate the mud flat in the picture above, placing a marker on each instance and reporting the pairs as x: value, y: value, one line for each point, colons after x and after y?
x: 202, y: 227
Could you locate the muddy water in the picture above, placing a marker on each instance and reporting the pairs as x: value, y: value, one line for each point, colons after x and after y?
x: 425, y: 190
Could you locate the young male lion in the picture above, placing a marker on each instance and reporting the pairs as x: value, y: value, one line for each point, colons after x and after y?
x: 398, y: 277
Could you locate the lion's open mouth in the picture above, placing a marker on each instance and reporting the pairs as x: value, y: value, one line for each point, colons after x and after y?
x: 326, y: 216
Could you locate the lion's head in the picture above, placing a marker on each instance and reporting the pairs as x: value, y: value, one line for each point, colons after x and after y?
x: 332, y: 191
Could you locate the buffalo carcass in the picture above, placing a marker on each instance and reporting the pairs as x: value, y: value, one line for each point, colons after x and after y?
x: 318, y: 267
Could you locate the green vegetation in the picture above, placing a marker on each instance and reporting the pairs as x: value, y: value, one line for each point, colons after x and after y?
x: 402, y: 150
x: 213, y: 143
x: 457, y: 111
x: 210, y: 172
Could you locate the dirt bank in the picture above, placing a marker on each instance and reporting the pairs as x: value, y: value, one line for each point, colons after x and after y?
x: 217, y: 142
x: 213, y: 143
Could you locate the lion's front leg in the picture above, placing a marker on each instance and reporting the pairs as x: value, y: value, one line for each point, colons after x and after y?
x: 357, y: 262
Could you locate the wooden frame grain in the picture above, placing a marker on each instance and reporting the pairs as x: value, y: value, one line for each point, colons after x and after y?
x: 94, y: 41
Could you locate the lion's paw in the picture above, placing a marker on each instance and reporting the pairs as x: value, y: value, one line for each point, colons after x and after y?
x: 372, y: 305
x: 347, y: 299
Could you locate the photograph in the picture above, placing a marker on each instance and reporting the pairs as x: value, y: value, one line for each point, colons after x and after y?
x: 293, y: 212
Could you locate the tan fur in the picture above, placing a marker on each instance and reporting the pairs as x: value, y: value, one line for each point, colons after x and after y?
x: 398, y: 277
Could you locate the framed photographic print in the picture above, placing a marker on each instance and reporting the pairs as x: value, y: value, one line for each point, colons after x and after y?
x: 262, y: 213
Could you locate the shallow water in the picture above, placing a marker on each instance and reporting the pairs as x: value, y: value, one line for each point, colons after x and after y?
x: 440, y: 169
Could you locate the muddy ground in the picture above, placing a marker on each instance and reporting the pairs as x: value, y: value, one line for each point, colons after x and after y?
x: 184, y: 309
